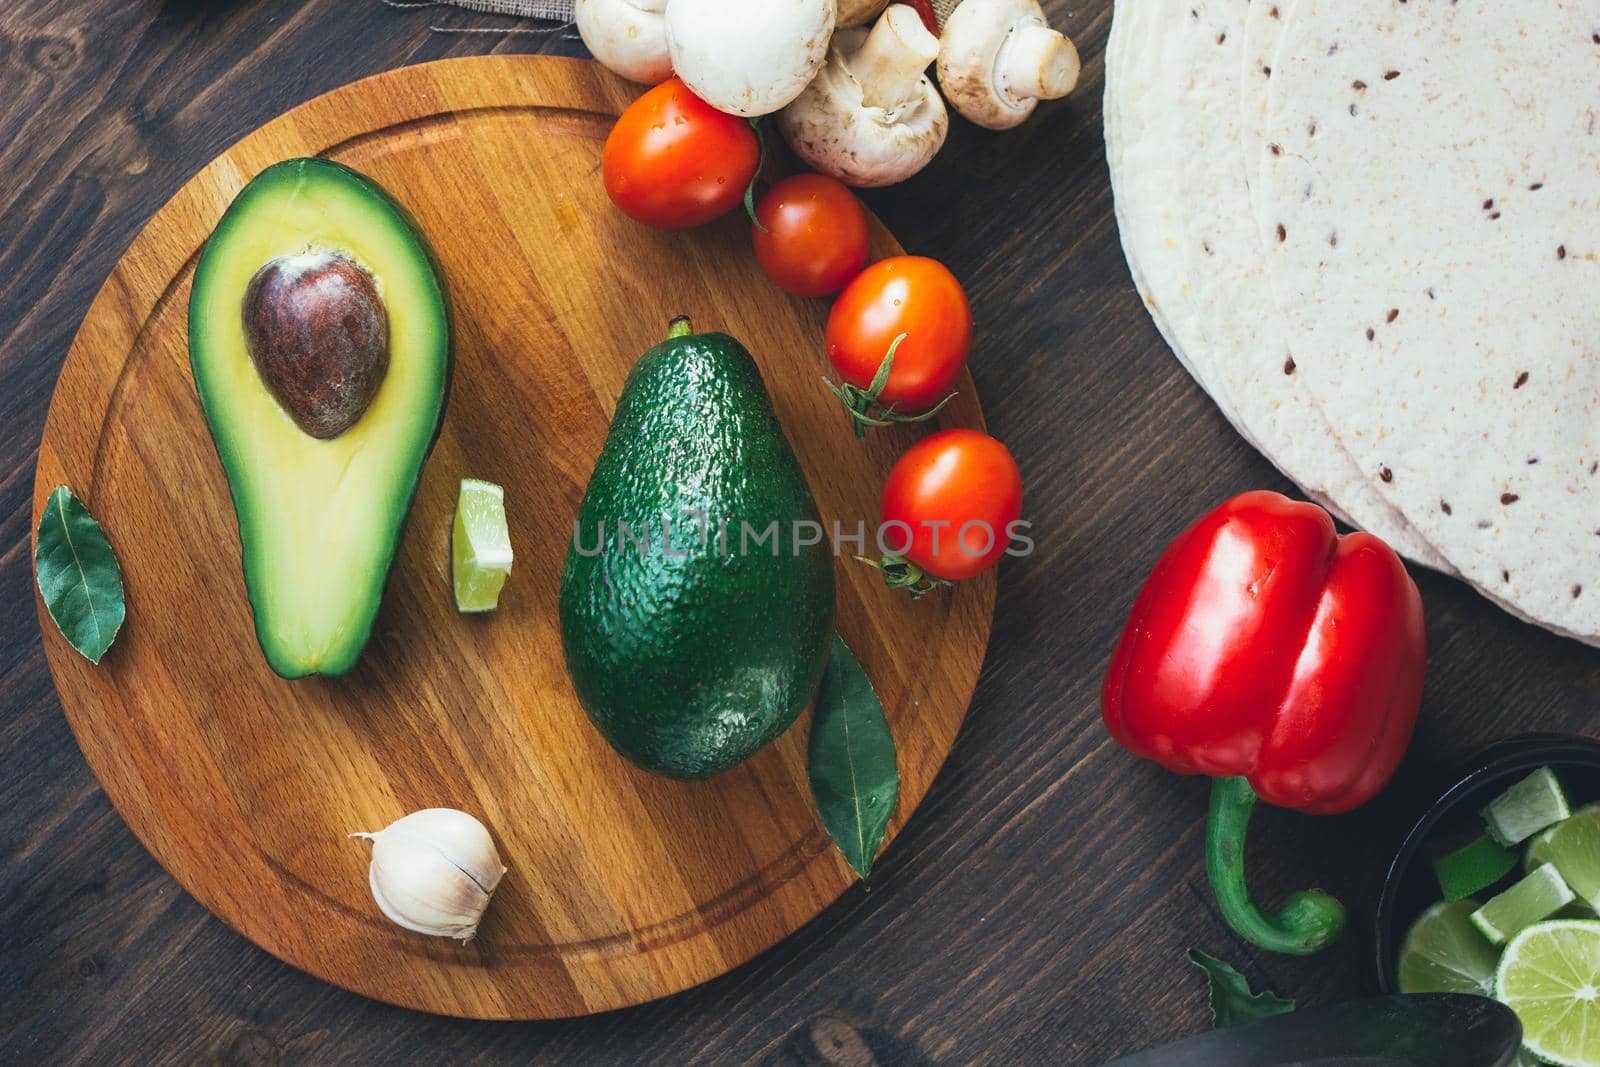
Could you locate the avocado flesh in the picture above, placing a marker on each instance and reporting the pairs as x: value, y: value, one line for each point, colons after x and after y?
x: 689, y: 664
x: 319, y: 520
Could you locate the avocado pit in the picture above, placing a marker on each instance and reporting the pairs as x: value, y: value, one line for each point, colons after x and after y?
x: 318, y: 333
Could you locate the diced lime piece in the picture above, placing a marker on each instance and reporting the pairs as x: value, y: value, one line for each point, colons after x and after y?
x: 1538, y: 896
x: 1579, y: 838
x: 1469, y: 869
x: 1535, y: 854
x: 480, y: 546
x: 1550, y: 976
x: 1444, y: 953
x: 1526, y: 808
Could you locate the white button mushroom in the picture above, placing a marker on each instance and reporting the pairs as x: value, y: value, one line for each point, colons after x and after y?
x: 628, y: 36
x: 871, y: 117
x: 999, y: 58
x: 748, y: 58
x: 859, y: 12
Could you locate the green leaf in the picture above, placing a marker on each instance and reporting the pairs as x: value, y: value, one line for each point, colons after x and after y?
x: 1231, y: 1000
x: 853, y: 775
x: 755, y: 176
x: 78, y: 575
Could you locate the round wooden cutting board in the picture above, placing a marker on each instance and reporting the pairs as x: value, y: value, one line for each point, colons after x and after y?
x: 622, y: 886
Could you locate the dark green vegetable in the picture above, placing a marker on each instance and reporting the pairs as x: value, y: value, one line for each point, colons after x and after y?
x: 78, y: 575
x: 697, y: 597
x: 852, y: 760
x: 1231, y: 1000
x: 1466, y: 868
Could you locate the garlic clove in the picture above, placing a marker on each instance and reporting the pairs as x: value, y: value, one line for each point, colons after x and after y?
x: 462, y: 839
x: 434, y: 872
x: 417, y: 888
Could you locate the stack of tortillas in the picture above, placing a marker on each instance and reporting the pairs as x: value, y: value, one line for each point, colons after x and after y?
x: 1370, y: 229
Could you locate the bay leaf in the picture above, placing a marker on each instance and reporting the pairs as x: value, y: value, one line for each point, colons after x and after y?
x: 851, y: 763
x: 1232, y: 1002
x: 78, y: 575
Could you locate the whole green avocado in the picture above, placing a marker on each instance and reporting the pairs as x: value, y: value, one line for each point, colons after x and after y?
x: 697, y: 596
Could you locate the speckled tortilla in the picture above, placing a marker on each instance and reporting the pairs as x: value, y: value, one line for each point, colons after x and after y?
x: 1263, y: 34
x: 1144, y: 228
x: 1173, y: 138
x: 1429, y: 206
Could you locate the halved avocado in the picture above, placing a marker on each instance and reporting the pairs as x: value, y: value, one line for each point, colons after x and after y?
x: 320, y: 501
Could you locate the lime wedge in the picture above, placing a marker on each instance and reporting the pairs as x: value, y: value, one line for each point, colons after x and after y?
x: 1576, y: 841
x: 1539, y: 842
x: 480, y: 546
x: 1444, y: 953
x: 1538, y: 896
x: 1526, y: 808
x: 1468, y: 869
x: 1550, y: 976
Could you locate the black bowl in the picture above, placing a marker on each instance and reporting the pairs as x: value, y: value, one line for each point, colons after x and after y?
x: 1410, y: 886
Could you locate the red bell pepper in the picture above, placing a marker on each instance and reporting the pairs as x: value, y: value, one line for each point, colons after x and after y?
x: 1282, y: 659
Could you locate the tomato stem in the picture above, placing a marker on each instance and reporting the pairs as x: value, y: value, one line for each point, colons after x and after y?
x: 761, y: 162
x: 867, y: 410
x: 1309, y: 921
x: 901, y: 573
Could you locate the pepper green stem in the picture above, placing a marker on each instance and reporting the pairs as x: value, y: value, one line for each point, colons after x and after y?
x: 1310, y: 920
x: 679, y: 327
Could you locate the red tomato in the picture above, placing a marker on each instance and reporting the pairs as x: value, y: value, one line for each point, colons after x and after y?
x: 674, y: 160
x: 958, y: 491
x: 816, y: 235
x: 910, y: 295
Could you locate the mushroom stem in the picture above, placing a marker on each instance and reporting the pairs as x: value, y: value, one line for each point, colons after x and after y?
x: 890, y: 63
x: 1038, y: 63
x: 999, y: 58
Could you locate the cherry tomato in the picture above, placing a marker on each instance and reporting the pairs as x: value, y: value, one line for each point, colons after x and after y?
x: 816, y: 235
x: 958, y: 491
x: 674, y: 160
x: 910, y: 295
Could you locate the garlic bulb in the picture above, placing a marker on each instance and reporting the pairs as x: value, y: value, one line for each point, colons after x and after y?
x: 434, y: 871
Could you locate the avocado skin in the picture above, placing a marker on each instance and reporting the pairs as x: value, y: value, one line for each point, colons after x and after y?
x: 339, y: 660
x: 689, y: 664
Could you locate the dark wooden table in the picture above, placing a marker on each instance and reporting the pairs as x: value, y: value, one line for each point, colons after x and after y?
x: 1036, y: 909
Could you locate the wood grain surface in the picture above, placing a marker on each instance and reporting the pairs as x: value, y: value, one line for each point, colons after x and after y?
x: 1036, y: 908
x: 622, y: 886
